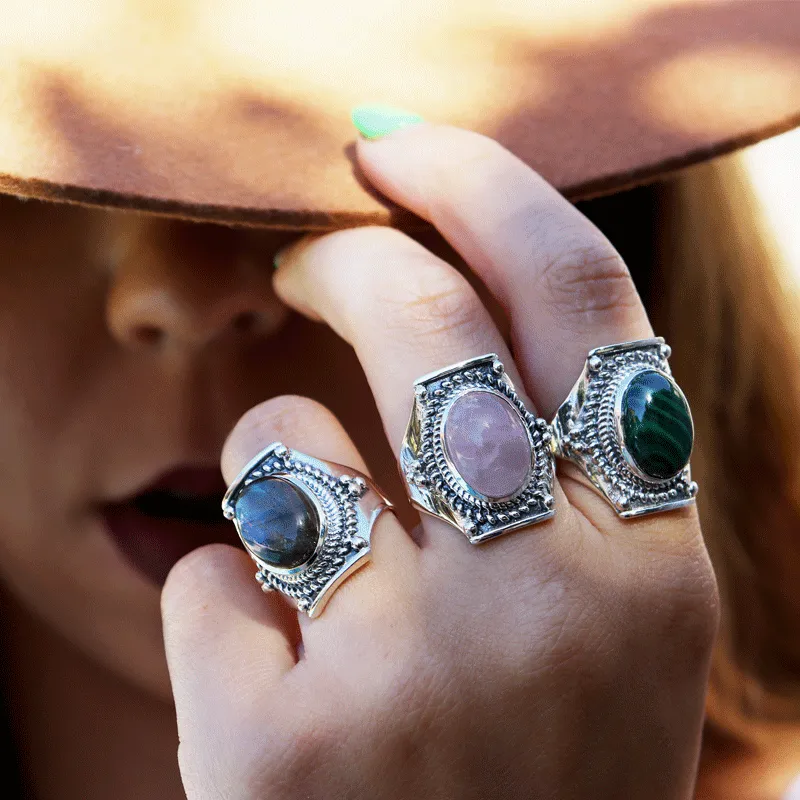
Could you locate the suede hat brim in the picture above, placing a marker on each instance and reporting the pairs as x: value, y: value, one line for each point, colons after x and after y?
x: 239, y: 111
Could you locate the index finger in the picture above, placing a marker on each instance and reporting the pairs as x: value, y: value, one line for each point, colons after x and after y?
x: 564, y: 286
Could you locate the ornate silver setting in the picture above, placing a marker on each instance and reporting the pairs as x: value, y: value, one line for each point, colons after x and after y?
x: 436, y: 487
x: 347, y: 505
x: 587, y: 430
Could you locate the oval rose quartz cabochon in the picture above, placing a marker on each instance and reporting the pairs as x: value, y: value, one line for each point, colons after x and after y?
x: 487, y: 443
x: 278, y: 523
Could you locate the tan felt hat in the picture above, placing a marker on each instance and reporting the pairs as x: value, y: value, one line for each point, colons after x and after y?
x: 238, y: 110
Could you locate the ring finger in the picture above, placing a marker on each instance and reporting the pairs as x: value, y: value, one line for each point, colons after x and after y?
x: 306, y: 426
x: 405, y: 311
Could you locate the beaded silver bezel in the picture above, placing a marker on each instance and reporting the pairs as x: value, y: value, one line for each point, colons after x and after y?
x: 587, y: 430
x: 347, y: 505
x: 435, y: 486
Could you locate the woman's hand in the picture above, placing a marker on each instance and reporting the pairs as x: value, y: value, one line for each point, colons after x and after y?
x: 568, y: 660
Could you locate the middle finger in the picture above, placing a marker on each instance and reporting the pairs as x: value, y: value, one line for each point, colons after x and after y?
x: 405, y: 311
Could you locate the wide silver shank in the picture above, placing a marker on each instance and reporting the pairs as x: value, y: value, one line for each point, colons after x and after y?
x: 587, y: 430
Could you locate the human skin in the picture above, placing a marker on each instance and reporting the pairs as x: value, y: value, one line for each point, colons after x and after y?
x: 565, y: 661
x: 90, y: 412
x: 92, y: 408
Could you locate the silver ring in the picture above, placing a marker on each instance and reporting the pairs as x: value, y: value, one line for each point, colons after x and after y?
x: 628, y: 426
x: 473, y: 455
x: 306, y: 523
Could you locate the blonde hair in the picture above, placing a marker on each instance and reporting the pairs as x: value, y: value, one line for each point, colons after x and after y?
x: 725, y: 301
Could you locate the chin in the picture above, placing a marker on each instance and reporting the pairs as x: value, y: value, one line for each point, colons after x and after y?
x: 103, y: 597
x: 108, y: 616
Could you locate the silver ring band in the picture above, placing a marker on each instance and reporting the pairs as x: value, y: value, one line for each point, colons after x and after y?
x: 473, y: 455
x: 627, y: 425
x: 306, y: 523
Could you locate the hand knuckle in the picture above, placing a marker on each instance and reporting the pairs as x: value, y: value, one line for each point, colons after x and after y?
x: 694, y: 612
x: 434, y: 301
x: 681, y: 604
x: 586, y: 282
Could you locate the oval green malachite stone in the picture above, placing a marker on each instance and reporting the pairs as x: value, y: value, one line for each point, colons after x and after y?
x: 656, y: 425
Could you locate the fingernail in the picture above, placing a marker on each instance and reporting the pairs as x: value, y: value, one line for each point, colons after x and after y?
x: 373, y: 122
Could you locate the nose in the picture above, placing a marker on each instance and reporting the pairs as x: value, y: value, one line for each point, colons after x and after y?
x: 186, y: 285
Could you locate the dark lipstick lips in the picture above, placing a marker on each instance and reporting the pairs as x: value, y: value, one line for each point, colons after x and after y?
x: 177, y: 513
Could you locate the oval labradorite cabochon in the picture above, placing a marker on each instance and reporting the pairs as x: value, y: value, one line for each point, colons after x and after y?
x: 278, y: 523
x: 656, y: 425
x: 487, y: 443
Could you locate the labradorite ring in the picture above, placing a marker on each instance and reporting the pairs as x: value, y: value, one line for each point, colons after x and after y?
x: 628, y: 426
x: 306, y: 523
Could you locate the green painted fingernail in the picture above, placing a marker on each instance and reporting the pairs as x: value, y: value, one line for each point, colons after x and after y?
x: 376, y: 121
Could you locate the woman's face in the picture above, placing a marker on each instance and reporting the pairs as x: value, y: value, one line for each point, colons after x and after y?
x: 129, y: 346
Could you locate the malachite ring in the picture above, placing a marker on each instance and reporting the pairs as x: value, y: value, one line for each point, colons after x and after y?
x: 628, y: 426
x: 306, y: 523
x: 473, y: 455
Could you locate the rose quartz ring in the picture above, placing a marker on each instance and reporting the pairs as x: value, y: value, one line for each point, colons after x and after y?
x: 473, y: 455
